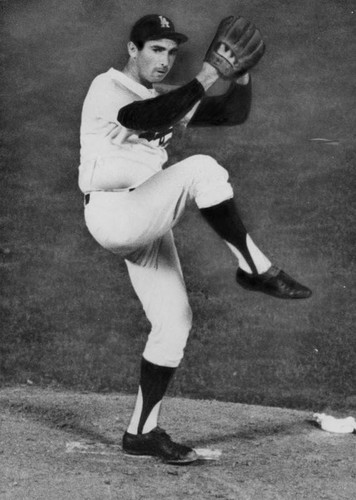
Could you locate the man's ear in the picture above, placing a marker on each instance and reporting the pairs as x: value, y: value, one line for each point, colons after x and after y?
x: 132, y: 49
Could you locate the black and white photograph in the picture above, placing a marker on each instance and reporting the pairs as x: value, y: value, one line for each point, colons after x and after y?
x: 177, y: 252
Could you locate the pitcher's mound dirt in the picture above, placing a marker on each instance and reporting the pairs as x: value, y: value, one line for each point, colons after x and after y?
x: 57, y: 445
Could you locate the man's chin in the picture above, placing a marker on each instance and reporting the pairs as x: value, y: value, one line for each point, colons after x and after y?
x: 158, y: 77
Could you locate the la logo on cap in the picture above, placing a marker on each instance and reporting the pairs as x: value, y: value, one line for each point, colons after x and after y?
x: 164, y: 22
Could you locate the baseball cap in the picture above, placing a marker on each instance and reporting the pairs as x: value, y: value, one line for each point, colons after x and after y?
x: 155, y: 27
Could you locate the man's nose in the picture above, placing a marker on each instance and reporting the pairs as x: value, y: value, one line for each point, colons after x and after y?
x: 164, y: 60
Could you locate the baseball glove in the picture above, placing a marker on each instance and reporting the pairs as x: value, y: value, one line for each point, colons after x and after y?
x: 236, y: 47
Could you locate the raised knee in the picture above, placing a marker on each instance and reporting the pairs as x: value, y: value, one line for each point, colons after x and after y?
x: 203, y: 158
x: 203, y: 161
x: 210, y: 181
x: 208, y: 167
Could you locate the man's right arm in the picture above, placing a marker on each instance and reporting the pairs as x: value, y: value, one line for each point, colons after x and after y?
x: 162, y: 111
x: 167, y: 109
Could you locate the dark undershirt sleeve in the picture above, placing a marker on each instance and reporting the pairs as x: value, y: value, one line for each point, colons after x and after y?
x: 162, y: 111
x: 231, y: 108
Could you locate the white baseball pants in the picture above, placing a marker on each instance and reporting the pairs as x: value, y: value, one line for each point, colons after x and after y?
x: 137, y: 225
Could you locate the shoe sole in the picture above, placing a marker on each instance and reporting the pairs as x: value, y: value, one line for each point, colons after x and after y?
x: 185, y: 461
x: 252, y: 288
x: 133, y: 455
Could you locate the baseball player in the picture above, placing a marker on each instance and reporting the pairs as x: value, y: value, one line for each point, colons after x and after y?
x: 132, y: 203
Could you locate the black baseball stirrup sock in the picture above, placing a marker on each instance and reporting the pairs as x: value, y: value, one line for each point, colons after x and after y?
x: 153, y: 382
x: 226, y: 222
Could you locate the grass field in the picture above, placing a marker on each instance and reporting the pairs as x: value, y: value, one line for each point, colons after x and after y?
x: 68, y: 314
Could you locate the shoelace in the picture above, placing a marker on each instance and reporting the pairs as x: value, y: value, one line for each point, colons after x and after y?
x: 273, y: 271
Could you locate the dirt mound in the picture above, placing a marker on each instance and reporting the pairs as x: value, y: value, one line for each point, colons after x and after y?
x: 60, y: 445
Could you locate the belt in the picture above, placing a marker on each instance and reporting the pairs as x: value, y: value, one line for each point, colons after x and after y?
x: 87, y: 196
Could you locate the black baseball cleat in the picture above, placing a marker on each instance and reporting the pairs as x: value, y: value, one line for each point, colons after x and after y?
x: 273, y: 282
x: 157, y: 443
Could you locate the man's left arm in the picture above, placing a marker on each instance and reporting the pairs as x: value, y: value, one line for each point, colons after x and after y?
x: 231, y: 108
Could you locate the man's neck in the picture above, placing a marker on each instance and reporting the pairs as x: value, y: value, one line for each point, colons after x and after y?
x: 131, y: 71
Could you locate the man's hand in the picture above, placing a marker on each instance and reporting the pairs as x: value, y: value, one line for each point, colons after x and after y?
x: 208, y: 75
x: 243, y: 80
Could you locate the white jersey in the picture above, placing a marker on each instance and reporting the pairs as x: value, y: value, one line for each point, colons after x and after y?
x: 113, y: 157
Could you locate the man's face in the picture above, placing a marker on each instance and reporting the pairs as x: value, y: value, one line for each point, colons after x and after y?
x: 155, y: 60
